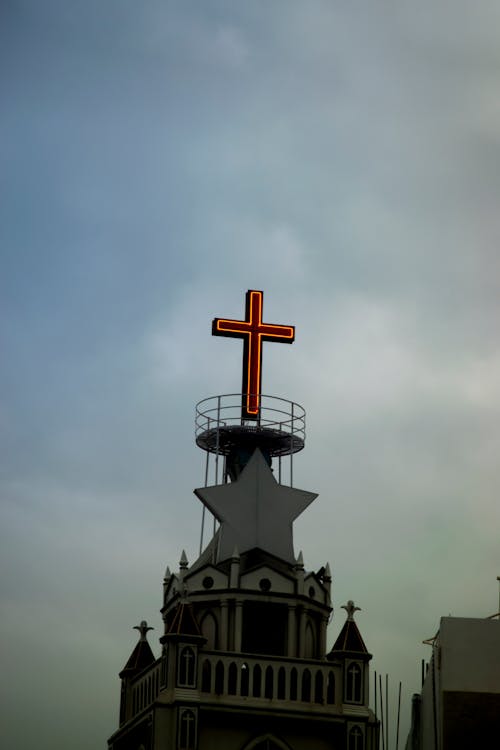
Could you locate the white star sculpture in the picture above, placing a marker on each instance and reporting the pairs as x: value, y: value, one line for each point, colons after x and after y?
x: 255, y: 511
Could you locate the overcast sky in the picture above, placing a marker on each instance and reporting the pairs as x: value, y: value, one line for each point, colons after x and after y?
x: 160, y: 158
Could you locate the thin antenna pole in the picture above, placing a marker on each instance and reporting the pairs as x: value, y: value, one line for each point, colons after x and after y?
x: 399, y: 711
x: 422, y: 673
x: 381, y: 711
x: 387, y: 710
x: 498, y: 579
x: 375, y: 692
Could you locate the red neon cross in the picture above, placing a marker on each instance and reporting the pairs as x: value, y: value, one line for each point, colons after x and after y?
x: 253, y: 332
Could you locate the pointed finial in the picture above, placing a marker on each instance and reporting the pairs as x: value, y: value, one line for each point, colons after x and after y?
x: 143, y: 629
x: 300, y: 560
x: 167, y: 574
x: 184, y: 561
x: 350, y: 608
x: 328, y: 573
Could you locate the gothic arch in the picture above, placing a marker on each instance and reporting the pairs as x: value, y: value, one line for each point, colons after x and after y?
x: 310, y: 641
x: 267, y: 742
x: 206, y: 677
x: 186, y: 667
x: 210, y: 630
x: 232, y: 679
x: 353, y: 688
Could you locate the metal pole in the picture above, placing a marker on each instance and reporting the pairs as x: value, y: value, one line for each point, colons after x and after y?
x: 202, y: 527
x: 206, y: 463
x: 375, y: 692
x: 387, y: 710
x: 217, y: 443
x: 381, y: 711
x: 399, y: 711
x: 498, y: 579
x: 291, y: 450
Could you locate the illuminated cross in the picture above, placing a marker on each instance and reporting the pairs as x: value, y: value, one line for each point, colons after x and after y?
x: 253, y: 332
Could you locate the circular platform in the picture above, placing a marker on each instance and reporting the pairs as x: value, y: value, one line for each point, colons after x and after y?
x: 279, y: 431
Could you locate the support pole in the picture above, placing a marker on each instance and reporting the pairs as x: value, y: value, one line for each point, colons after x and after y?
x: 399, y: 712
x: 381, y: 711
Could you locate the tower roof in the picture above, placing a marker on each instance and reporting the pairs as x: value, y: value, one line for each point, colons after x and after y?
x: 142, y: 656
x: 349, y: 638
x: 184, y: 622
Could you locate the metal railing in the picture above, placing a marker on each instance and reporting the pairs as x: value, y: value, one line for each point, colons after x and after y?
x: 218, y: 421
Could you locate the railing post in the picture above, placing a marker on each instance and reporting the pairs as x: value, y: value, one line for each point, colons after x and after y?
x: 217, y: 443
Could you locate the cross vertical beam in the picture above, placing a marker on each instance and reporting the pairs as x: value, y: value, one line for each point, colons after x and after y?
x: 253, y: 332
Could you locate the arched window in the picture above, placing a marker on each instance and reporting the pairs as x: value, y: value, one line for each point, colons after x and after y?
x: 257, y: 677
x: 318, y: 687
x: 356, y: 739
x: 306, y: 685
x: 269, y: 682
x: 187, y: 730
x: 206, y: 676
x: 310, y: 642
x: 293, y: 684
x: 209, y: 630
x: 232, y: 677
x: 245, y: 679
x: 164, y: 656
x: 281, y: 684
x: 353, y: 683
x: 330, y: 689
x: 186, y: 667
x: 219, y: 678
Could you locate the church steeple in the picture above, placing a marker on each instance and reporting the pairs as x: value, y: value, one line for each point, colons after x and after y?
x: 244, y: 660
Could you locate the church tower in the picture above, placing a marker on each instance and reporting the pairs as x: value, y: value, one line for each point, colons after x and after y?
x: 244, y: 662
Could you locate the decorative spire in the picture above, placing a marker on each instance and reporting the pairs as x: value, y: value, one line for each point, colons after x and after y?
x: 350, y: 608
x: 349, y: 639
x: 167, y: 574
x: 183, y: 564
x: 143, y: 630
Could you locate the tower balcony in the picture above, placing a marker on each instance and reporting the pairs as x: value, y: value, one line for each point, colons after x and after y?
x: 242, y: 679
x: 278, y: 431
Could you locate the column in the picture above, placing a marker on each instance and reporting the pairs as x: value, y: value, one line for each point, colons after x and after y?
x: 238, y: 624
x: 292, y: 631
x: 224, y: 635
